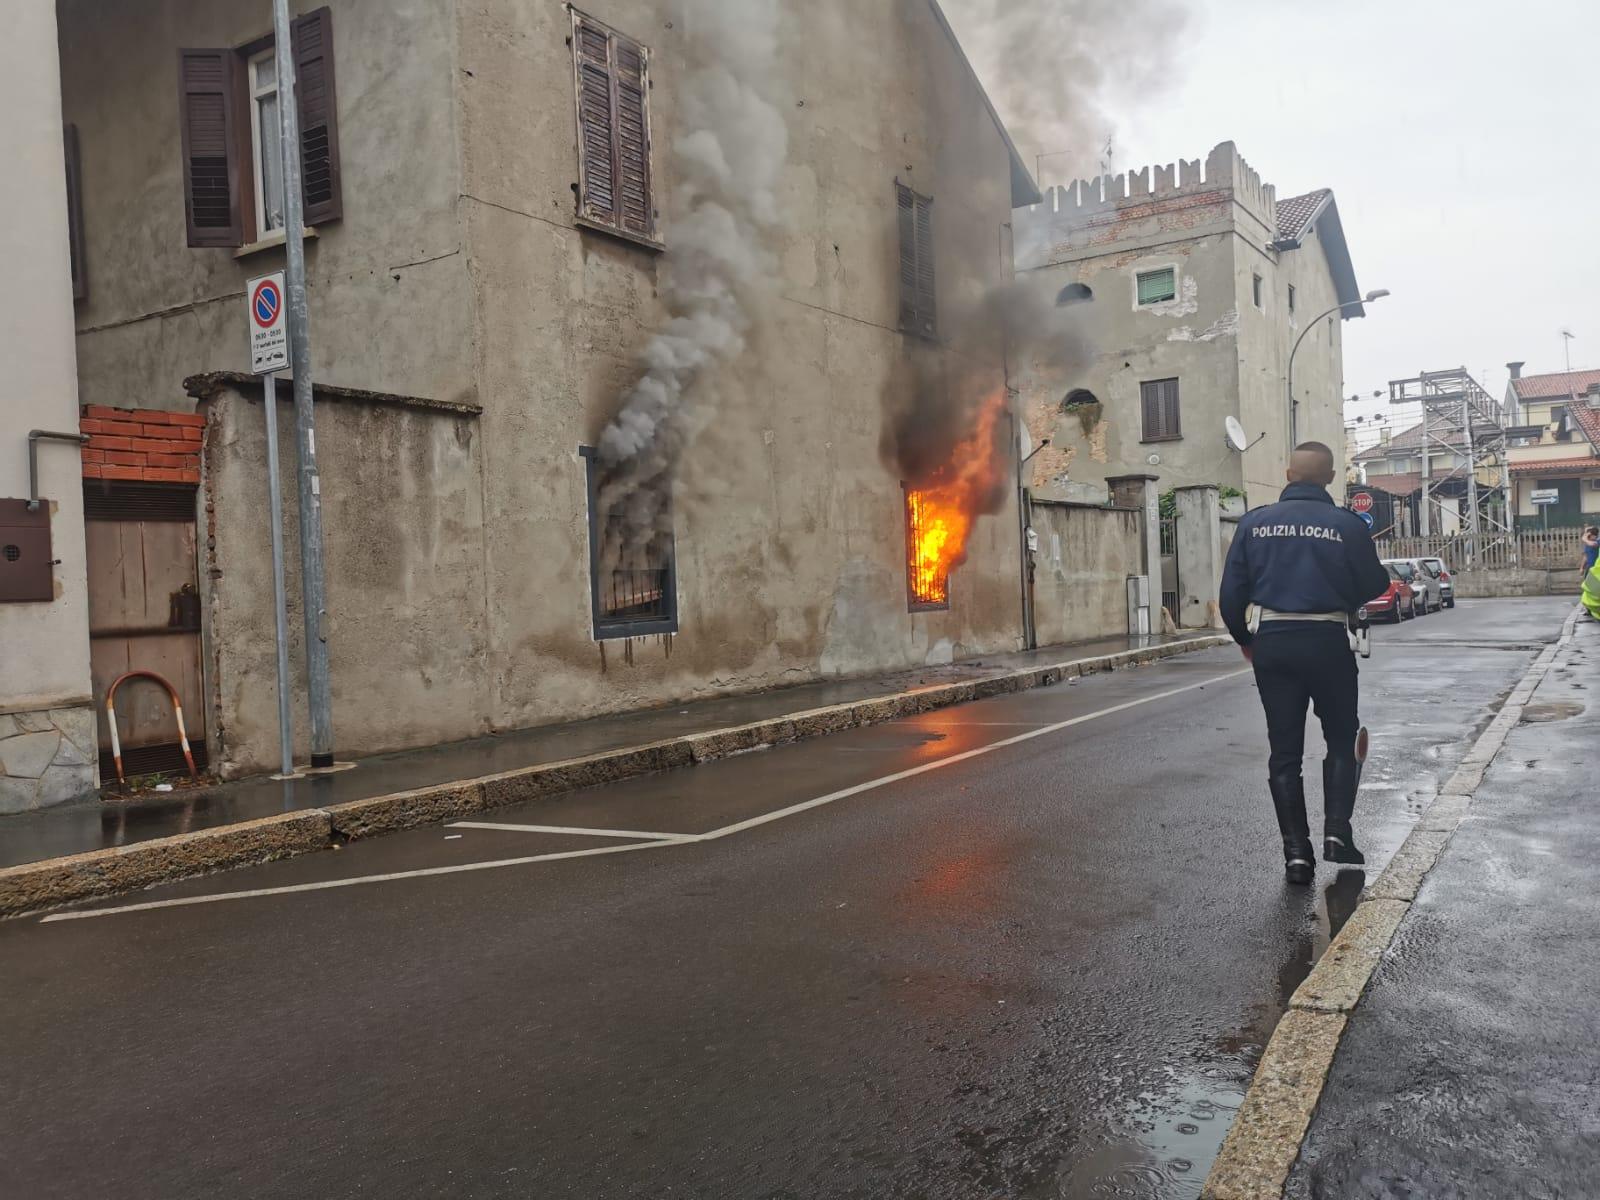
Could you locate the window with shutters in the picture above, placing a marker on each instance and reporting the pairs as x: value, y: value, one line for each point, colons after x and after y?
x: 1159, y: 400
x: 232, y: 138
x: 918, y: 311
x: 1153, y: 287
x: 611, y: 75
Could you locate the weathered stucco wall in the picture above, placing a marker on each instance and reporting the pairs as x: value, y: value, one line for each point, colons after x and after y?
x: 1080, y: 586
x: 1214, y: 224
x: 790, y: 542
x: 457, y: 548
x: 407, y: 629
x: 46, y: 722
x: 159, y: 311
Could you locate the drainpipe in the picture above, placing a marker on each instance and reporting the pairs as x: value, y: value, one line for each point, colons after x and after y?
x: 35, y: 436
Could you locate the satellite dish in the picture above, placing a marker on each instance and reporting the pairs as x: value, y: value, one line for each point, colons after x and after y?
x: 1237, y: 438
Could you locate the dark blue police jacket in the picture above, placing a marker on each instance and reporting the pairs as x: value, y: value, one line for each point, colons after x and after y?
x: 1302, y: 554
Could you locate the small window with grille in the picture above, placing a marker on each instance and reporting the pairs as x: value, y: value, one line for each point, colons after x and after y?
x: 633, y: 581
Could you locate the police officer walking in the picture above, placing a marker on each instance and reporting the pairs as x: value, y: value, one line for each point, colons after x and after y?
x: 1296, y: 572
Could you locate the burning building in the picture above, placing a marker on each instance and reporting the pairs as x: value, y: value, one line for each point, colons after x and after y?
x: 614, y: 304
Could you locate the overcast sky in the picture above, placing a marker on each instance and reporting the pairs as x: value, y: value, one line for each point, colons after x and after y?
x: 1462, y: 141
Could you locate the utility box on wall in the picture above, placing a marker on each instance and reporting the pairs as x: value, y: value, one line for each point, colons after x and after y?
x: 25, y: 559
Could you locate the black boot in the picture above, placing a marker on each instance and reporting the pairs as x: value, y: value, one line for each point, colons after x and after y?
x: 1341, y: 776
x: 1289, y: 802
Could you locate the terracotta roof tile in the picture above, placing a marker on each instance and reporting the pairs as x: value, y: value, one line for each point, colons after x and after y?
x: 1296, y: 211
x: 1409, y: 439
x: 1550, y: 466
x: 1535, y: 387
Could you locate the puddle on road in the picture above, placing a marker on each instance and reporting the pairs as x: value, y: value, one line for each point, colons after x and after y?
x: 1175, y: 1139
x: 1554, y: 710
x: 1172, y: 1137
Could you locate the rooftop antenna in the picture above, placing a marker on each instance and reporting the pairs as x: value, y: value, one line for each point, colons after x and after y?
x: 1566, y: 344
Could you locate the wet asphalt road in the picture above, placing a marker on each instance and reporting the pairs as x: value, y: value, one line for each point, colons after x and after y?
x: 1045, y: 970
x: 1470, y: 1067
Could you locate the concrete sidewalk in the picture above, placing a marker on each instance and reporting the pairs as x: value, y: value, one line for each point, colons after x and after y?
x: 1470, y: 1066
x: 74, y: 852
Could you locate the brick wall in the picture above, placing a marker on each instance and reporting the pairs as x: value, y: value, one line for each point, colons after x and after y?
x: 141, y: 444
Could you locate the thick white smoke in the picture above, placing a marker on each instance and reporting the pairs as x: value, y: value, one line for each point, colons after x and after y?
x: 727, y: 163
x: 1062, y: 71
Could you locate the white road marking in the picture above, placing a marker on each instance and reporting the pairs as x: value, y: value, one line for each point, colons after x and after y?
x: 662, y: 840
x: 939, y: 764
x: 633, y: 834
x: 324, y: 885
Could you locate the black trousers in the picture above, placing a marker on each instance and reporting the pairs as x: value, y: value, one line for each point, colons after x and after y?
x: 1310, y: 663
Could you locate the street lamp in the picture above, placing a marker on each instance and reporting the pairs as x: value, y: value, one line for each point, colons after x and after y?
x: 1294, y: 405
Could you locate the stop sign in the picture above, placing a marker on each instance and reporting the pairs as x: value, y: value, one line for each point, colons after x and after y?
x: 1361, y: 502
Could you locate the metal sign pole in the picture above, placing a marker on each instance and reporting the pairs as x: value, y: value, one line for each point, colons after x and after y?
x: 312, y: 584
x: 280, y: 606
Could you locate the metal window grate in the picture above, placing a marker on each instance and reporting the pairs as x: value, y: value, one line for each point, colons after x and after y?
x: 104, y: 500
x: 927, y: 578
x: 633, y: 582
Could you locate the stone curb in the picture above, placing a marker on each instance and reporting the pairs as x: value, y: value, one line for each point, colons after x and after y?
x: 33, y: 887
x: 1264, y: 1142
x: 52, y: 883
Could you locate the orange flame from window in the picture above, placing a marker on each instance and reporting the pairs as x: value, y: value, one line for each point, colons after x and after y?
x: 940, y: 514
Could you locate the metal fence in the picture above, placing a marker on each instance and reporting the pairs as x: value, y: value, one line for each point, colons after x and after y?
x: 1169, y: 535
x: 1551, y: 551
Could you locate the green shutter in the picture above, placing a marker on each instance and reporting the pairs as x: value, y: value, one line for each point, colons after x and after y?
x: 1156, y: 286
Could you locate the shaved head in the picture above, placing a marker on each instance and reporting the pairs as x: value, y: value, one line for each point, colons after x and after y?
x: 1311, y: 462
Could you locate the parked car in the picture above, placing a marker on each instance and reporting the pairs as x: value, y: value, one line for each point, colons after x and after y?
x: 1424, y: 584
x: 1447, y: 588
x: 1398, y: 603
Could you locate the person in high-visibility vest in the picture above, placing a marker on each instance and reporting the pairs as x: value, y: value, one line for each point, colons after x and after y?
x: 1591, y: 592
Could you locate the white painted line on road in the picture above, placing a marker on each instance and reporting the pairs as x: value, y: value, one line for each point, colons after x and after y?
x: 324, y: 885
x: 660, y: 839
x: 577, y: 831
x: 938, y: 764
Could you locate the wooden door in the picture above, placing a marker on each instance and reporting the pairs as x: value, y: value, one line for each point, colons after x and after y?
x: 144, y: 615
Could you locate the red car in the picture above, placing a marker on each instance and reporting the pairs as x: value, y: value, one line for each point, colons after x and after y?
x: 1397, y: 604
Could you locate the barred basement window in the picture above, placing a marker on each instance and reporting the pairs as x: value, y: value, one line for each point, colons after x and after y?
x: 633, y: 580
x: 927, y: 570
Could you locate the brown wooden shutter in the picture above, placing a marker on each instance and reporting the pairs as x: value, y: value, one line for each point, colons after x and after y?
x: 926, y: 315
x: 80, y: 276
x: 907, y: 205
x: 211, y: 172
x: 917, y: 286
x: 319, y: 117
x: 633, y: 139
x: 613, y: 96
x: 1159, y: 401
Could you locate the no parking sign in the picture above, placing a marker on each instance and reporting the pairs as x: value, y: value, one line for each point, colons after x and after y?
x: 269, y: 331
